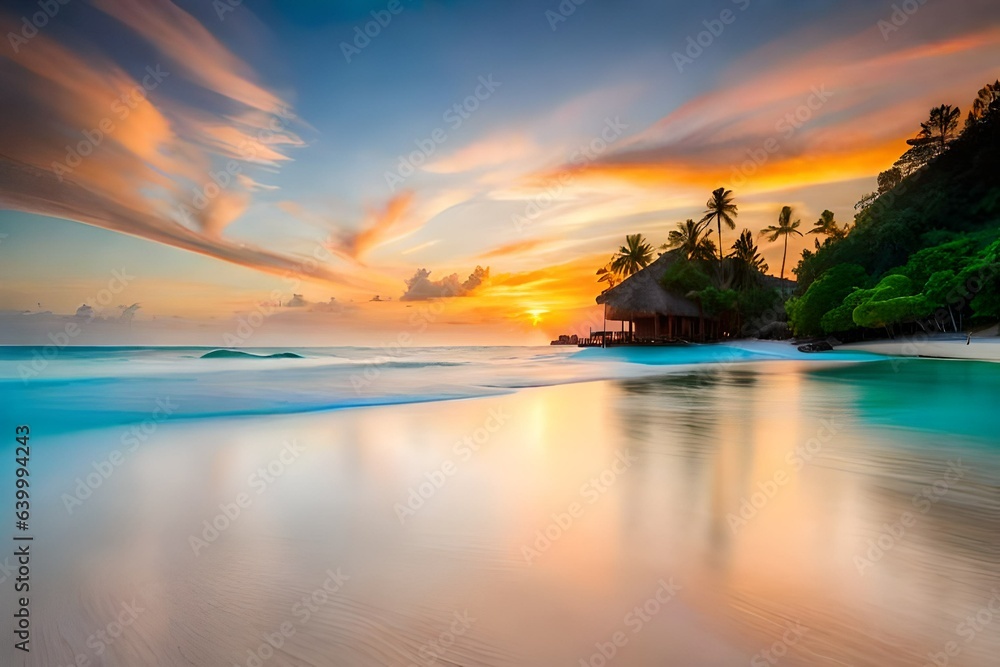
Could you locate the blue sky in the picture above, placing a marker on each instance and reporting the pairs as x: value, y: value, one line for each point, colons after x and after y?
x: 316, y: 185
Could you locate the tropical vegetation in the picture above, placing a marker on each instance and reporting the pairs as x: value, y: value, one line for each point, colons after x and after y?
x: 922, y: 254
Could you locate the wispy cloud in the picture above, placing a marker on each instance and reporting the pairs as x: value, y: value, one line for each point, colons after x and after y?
x: 835, y: 111
x: 392, y: 222
x: 192, y: 48
x: 82, y: 139
x: 488, y: 152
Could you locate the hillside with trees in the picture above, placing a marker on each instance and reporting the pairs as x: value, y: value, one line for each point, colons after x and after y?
x: 924, y: 250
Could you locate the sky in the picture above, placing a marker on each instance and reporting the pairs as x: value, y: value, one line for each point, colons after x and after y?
x: 401, y: 173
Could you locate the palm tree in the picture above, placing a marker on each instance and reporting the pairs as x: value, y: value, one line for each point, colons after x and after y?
x: 745, y: 251
x: 939, y: 129
x: 691, y: 239
x: 826, y: 225
x: 747, y: 262
x: 608, y: 275
x: 932, y: 140
x: 721, y: 209
x: 634, y: 256
x: 786, y: 228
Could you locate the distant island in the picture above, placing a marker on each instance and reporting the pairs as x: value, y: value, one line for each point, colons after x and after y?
x: 571, y: 339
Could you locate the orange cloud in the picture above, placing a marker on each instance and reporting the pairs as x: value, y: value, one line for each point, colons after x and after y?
x: 389, y: 224
x: 835, y: 112
x: 514, y: 248
x: 190, y: 46
x: 85, y: 141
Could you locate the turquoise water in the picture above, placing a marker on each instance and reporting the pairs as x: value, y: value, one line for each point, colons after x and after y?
x: 89, y: 387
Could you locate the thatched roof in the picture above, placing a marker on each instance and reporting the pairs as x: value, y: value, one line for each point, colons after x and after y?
x: 642, y: 293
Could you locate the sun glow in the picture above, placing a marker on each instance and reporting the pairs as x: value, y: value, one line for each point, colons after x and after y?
x: 536, y: 315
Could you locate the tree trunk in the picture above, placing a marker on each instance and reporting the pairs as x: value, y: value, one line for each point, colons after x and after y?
x: 783, y: 255
x: 952, y: 318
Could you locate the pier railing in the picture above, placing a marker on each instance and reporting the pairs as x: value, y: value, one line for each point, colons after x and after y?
x: 603, y: 338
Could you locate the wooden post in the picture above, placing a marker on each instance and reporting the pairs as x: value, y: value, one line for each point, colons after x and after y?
x: 604, y: 333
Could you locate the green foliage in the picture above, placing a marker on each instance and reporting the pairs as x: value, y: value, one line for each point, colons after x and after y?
x: 956, y: 195
x: 892, y: 301
x: 889, y: 179
x: 721, y: 209
x: 758, y: 304
x: 876, y: 313
x: 841, y: 318
x: 940, y: 287
x: 923, y: 264
x: 747, y: 263
x: 683, y: 277
x: 982, y: 277
x: 715, y: 301
x: 607, y: 274
x: 805, y: 313
x: 634, y: 256
x: 693, y: 240
x: 892, y: 286
x: 784, y: 228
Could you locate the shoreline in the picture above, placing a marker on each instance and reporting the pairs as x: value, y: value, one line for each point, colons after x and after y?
x: 947, y: 346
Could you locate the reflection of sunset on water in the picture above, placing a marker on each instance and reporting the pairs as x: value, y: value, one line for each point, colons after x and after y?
x: 552, y: 514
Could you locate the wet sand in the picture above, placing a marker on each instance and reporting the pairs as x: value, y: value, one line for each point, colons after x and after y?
x: 980, y: 347
x: 748, y: 515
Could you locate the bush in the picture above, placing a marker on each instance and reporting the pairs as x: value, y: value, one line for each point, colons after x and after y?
x: 805, y: 314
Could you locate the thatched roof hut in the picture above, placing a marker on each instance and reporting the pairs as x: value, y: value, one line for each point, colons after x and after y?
x: 642, y: 294
x: 657, y: 314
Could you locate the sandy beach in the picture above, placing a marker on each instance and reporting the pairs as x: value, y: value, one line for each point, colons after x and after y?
x: 981, y: 346
x: 715, y: 517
